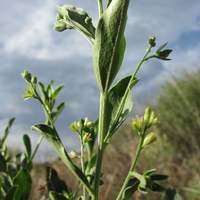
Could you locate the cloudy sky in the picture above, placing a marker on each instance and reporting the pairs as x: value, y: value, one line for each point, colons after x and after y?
x: 28, y: 41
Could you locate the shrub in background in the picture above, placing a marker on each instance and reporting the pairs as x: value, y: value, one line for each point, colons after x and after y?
x: 179, y: 113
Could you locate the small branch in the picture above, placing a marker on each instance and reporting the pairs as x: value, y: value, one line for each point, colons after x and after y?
x: 132, y: 168
x: 120, y: 110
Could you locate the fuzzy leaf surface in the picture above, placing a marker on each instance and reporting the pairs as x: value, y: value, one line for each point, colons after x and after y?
x: 109, y: 45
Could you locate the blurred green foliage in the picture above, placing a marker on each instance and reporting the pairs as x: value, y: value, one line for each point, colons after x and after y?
x: 179, y: 113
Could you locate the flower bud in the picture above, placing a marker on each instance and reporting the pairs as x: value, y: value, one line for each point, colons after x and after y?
x: 137, y: 124
x: 60, y: 26
x: 149, y: 139
x: 152, y: 41
x: 149, y: 117
x: 87, y: 137
x: 73, y: 154
x: 74, y: 127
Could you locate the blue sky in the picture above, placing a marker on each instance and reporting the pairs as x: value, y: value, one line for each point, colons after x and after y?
x: 28, y: 41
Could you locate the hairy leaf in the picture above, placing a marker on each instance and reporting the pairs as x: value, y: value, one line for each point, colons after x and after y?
x: 119, y: 104
x: 110, y: 44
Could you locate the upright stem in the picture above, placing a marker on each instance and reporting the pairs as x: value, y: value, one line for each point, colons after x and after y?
x: 132, y: 168
x: 100, y: 7
x: 83, y: 166
x: 102, y: 129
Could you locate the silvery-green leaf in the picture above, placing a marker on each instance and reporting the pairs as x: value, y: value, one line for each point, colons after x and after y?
x: 75, y: 18
x: 119, y: 105
x: 109, y: 45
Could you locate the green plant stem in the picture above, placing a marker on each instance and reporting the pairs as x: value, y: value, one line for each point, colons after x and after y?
x: 102, y: 129
x: 132, y: 168
x: 100, y: 7
x: 46, y: 111
x: 133, y: 77
x: 82, y: 164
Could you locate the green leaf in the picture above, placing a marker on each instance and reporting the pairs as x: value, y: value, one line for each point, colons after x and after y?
x: 29, y: 92
x: 159, y: 177
x: 131, y: 188
x: 6, y: 131
x: 109, y: 45
x: 11, y: 193
x: 155, y: 187
x: 59, y: 109
x: 43, y: 90
x: 54, y: 183
x: 52, y: 137
x: 27, y: 76
x: 56, y: 92
x: 3, y: 165
x: 27, y: 144
x: 76, y: 18
x: 119, y: 105
x: 23, y: 182
x: 161, y: 47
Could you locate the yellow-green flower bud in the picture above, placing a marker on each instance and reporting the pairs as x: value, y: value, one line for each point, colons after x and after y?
x: 137, y: 124
x: 87, y: 137
x: 60, y: 26
x: 149, y: 117
x: 149, y: 139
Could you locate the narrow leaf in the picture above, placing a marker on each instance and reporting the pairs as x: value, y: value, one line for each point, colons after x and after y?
x: 27, y: 144
x: 6, y: 131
